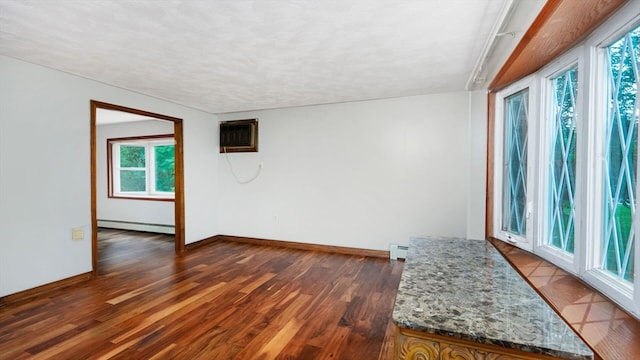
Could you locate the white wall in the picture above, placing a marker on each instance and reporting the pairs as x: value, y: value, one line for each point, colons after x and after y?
x: 477, y: 164
x: 129, y: 210
x: 361, y: 174
x: 45, y: 170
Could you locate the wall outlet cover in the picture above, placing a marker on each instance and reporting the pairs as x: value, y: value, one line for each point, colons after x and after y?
x: 77, y: 233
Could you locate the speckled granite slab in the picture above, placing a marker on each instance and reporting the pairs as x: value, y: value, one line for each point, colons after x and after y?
x: 467, y: 290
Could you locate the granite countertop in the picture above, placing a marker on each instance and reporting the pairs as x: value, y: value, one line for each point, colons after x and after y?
x: 466, y: 289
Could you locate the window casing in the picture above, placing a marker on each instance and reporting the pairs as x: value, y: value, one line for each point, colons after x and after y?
x: 582, y: 161
x: 514, y: 188
x: 142, y: 167
x: 561, y: 161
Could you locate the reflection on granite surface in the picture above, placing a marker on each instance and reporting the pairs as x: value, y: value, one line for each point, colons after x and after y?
x: 465, y: 289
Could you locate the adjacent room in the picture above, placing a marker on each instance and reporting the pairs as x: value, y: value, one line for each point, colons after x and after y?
x: 339, y: 179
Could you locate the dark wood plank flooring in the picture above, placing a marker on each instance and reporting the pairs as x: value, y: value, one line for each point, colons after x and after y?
x: 221, y: 301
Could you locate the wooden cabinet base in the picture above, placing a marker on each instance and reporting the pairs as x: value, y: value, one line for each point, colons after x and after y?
x: 414, y: 345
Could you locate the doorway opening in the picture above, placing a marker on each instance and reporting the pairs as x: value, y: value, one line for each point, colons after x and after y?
x: 178, y: 207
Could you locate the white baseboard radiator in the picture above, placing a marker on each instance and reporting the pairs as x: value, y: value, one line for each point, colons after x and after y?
x: 397, y: 252
x: 136, y: 226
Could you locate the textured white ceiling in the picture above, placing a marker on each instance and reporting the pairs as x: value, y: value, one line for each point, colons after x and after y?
x: 105, y: 117
x: 235, y: 55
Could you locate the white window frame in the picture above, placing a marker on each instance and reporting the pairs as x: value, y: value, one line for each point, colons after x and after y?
x: 569, y: 262
x: 619, y: 291
x: 151, y: 192
x: 591, y: 111
x: 524, y: 242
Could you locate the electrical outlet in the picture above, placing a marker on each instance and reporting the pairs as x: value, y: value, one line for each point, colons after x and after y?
x: 77, y: 233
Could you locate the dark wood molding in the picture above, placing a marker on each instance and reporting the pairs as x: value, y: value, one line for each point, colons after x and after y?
x: 179, y: 218
x: 144, y: 137
x: 94, y: 188
x: 291, y: 245
x: 144, y: 198
x: 29, y: 294
x: 110, y: 192
x: 203, y: 242
x: 179, y: 175
x: 491, y: 109
x: 559, y: 26
x: 108, y: 106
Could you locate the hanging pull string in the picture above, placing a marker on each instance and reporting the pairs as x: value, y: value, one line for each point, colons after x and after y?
x: 242, y: 182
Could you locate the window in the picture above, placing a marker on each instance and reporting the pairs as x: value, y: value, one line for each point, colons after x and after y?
x: 620, y: 156
x: 611, y: 256
x: 561, y: 164
x: 560, y: 161
x: 566, y: 187
x: 515, y: 188
x: 142, y: 167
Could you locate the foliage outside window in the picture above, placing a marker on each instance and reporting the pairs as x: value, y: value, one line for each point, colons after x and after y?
x: 514, y: 200
x: 582, y: 153
x: 621, y: 156
x: 562, y: 162
x: 142, y: 167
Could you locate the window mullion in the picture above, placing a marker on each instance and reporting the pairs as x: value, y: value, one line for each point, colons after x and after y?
x: 115, y: 176
x: 149, y: 168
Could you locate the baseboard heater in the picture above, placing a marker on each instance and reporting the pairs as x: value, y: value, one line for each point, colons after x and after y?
x: 397, y: 251
x: 136, y: 226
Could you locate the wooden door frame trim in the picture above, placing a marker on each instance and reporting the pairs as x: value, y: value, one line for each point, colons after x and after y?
x: 179, y: 177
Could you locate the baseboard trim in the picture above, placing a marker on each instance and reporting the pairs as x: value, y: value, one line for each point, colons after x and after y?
x: 29, y: 294
x: 291, y: 245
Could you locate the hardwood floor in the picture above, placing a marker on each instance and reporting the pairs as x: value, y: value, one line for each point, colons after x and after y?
x: 221, y: 301
x: 121, y: 249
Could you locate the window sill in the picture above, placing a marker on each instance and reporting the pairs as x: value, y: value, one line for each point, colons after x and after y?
x: 150, y: 198
x: 608, y: 330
